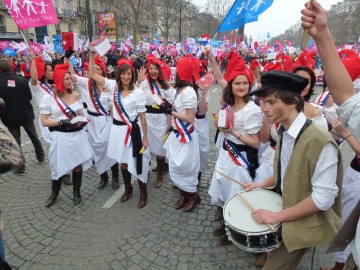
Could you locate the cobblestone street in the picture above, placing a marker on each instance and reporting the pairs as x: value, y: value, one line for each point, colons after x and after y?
x: 103, y: 233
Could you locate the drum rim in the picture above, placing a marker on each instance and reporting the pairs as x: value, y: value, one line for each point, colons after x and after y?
x: 277, y: 225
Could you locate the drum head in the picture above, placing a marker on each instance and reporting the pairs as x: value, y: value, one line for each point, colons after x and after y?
x: 237, y: 214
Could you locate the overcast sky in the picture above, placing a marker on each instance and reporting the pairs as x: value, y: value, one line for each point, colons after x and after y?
x: 278, y: 18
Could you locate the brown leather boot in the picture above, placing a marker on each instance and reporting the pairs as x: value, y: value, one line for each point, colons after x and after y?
x: 338, y: 266
x: 219, y: 214
x: 55, y: 189
x: 143, y: 194
x: 224, y: 241
x: 182, y: 200
x: 103, y: 180
x: 115, y: 176
x: 194, y: 200
x: 77, y: 177
x: 220, y: 230
x: 260, y: 262
x: 160, y: 171
x: 128, y: 187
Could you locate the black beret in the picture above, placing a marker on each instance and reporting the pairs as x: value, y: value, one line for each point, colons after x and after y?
x: 281, y: 80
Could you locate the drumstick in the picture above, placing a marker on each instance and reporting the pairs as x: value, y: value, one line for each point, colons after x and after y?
x: 232, y: 179
x: 306, y: 31
x: 253, y: 209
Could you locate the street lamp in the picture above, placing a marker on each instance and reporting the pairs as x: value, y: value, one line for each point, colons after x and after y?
x: 180, y: 23
x: 89, y: 20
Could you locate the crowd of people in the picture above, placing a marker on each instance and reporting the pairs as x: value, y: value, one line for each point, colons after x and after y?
x: 123, y: 117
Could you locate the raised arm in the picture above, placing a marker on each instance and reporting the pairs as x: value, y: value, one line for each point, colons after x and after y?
x: 337, y: 77
x: 33, y: 70
x: 215, y: 69
x: 97, y: 78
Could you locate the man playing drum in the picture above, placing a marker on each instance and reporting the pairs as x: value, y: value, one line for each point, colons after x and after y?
x: 307, y: 172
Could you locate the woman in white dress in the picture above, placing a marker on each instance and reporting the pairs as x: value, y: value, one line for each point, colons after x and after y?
x: 128, y: 141
x: 182, y: 145
x: 98, y: 100
x: 157, y: 88
x: 238, y: 156
x: 70, y: 149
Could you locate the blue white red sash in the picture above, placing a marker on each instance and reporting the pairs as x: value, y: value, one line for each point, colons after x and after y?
x: 321, y: 100
x: 46, y: 87
x: 124, y: 116
x: 236, y: 155
x: 94, y: 97
x: 69, y: 113
x: 156, y: 87
x: 184, y: 129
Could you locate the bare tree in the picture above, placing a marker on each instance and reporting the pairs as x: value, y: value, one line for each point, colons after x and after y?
x: 218, y: 8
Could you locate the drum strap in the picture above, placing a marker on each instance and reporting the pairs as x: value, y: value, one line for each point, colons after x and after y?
x: 280, y: 132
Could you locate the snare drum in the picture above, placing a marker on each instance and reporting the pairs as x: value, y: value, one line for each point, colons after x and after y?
x: 243, y: 230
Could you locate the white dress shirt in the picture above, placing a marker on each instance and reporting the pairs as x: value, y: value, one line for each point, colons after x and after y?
x: 323, y: 181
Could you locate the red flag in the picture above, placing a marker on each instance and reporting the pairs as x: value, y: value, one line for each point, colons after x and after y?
x: 232, y: 36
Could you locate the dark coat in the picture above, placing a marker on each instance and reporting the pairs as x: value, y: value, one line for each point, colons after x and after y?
x: 16, y: 93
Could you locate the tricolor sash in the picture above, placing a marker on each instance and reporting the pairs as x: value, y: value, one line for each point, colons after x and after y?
x: 184, y: 129
x: 133, y: 133
x: 46, y: 87
x: 236, y: 155
x: 156, y: 87
x: 69, y: 113
x: 94, y: 97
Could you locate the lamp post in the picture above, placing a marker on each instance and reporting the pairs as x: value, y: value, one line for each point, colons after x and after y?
x: 180, y: 22
x: 89, y: 20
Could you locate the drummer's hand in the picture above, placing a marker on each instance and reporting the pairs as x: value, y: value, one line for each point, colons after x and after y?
x: 251, y: 186
x: 265, y: 216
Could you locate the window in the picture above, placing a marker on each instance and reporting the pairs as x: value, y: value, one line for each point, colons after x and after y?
x: 2, y: 24
x: 58, y: 29
x: 70, y: 27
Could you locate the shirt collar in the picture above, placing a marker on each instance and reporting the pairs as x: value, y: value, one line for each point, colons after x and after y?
x: 296, y: 125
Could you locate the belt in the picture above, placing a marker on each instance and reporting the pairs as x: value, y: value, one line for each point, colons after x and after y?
x: 355, y: 164
x: 150, y: 109
x: 85, y: 105
x: 64, y: 129
x: 118, y: 123
x: 200, y: 116
x: 96, y: 114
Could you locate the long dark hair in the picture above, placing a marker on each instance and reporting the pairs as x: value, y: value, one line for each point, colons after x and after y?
x: 162, y: 83
x: 180, y: 83
x: 228, y: 95
x: 312, y: 81
x: 42, y: 80
x: 122, y: 69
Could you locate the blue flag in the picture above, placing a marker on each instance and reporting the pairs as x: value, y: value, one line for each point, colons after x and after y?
x: 9, y: 52
x: 242, y: 12
x: 268, y: 35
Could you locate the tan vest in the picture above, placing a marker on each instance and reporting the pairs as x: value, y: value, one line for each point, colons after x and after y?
x: 321, y: 227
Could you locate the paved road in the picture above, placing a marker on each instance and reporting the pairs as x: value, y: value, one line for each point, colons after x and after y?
x: 103, y: 233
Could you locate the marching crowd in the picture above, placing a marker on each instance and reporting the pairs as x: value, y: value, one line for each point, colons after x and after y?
x: 122, y: 119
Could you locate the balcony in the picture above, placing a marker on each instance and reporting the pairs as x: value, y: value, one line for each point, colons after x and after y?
x: 65, y: 13
x: 2, y: 28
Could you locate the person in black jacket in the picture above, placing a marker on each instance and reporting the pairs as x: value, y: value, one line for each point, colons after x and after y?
x: 18, y: 112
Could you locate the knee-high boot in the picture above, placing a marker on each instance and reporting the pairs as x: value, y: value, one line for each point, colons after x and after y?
x: 103, y: 180
x: 77, y: 177
x: 194, y: 199
x: 143, y: 194
x: 160, y: 171
x: 55, y: 189
x: 128, y: 187
x: 115, y: 176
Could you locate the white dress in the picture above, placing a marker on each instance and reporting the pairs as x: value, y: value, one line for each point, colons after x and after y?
x: 133, y: 104
x: 67, y: 149
x: 38, y: 92
x: 202, y: 130
x: 99, y: 126
x: 156, y: 123
x: 184, y: 158
x: 247, y: 121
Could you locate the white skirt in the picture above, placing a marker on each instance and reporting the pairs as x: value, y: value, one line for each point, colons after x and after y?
x: 266, y: 168
x: 202, y: 130
x: 184, y: 161
x: 220, y: 141
x: 45, y: 132
x: 222, y: 188
x: 156, y: 128
x: 68, y: 150
x: 98, y: 134
x: 350, y: 197
x: 124, y: 154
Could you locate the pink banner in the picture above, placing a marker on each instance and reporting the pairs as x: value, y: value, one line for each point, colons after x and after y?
x: 32, y: 13
x: 4, y: 44
x: 36, y: 47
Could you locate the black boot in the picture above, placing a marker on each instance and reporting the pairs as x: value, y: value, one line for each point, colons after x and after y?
x: 77, y: 177
x: 103, y: 180
x: 143, y: 194
x: 128, y: 187
x: 55, y: 189
x: 115, y: 176
x: 199, y: 178
x: 67, y: 179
